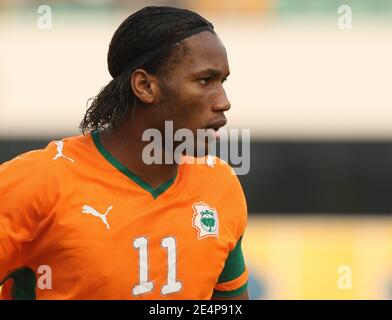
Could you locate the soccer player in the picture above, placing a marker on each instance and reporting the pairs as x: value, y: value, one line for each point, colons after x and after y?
x: 87, y: 218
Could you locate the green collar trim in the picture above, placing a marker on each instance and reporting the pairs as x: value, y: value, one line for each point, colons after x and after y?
x: 119, y: 166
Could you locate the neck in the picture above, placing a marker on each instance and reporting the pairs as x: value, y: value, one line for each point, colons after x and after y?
x: 126, y: 145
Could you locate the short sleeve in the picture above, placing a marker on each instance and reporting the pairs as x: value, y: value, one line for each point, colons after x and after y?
x: 233, y: 279
x: 23, y: 201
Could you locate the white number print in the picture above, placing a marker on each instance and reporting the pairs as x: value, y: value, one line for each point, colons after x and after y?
x: 172, y: 285
x: 144, y: 285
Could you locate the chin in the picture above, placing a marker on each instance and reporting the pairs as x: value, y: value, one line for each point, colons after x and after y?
x: 203, y: 148
x: 199, y: 150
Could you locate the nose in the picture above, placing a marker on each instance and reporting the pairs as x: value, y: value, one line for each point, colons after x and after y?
x: 222, y: 102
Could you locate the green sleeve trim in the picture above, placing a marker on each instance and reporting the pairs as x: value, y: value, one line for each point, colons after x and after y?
x: 234, y: 265
x: 231, y: 293
x: 24, y: 284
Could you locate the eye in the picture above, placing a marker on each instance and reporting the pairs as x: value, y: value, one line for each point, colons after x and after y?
x: 224, y: 80
x: 205, y: 81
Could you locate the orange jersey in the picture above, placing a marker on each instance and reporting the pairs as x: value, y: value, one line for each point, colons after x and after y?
x: 76, y: 224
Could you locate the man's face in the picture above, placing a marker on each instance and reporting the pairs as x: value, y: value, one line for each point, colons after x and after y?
x: 196, y: 98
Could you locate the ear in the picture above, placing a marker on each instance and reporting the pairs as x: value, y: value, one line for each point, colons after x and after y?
x: 144, y: 86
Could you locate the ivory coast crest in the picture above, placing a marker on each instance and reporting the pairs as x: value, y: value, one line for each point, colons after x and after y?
x: 205, y: 220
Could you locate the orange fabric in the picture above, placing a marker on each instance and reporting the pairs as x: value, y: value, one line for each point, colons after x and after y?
x: 42, y: 199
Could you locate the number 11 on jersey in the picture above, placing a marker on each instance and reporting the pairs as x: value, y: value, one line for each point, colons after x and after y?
x: 144, y: 285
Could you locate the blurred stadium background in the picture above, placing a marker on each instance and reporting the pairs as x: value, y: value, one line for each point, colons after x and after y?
x: 318, y: 102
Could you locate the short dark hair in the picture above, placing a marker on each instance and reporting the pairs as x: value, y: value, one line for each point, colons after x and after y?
x: 141, y: 33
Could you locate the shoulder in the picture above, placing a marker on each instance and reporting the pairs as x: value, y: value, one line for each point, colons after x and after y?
x: 32, y: 163
x: 215, y: 179
x: 31, y: 182
x: 37, y: 165
x: 210, y: 168
x: 216, y: 174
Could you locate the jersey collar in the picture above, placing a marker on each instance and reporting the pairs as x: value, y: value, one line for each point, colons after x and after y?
x: 119, y: 166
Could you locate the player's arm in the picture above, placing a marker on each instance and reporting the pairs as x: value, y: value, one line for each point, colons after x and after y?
x: 233, y: 281
x: 23, y: 192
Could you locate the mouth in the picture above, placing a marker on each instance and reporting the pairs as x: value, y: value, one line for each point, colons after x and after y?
x: 217, y: 124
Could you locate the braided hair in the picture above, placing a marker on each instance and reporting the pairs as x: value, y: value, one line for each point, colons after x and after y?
x: 139, y: 35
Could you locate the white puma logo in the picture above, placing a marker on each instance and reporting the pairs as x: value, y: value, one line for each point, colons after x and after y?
x: 60, y: 146
x: 95, y: 213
